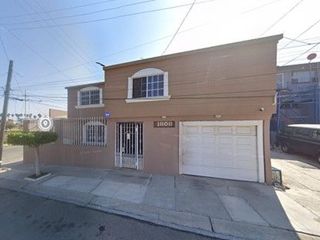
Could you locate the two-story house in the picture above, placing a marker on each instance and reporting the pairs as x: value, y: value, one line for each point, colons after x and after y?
x: 298, y: 89
x: 204, y: 112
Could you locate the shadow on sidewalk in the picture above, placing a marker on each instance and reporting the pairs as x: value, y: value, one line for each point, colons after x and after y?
x: 214, y: 207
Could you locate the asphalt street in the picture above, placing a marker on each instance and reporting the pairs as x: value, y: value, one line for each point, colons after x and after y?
x: 12, y: 154
x: 23, y: 216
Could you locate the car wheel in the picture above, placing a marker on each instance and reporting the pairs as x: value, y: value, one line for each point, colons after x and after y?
x: 284, y: 147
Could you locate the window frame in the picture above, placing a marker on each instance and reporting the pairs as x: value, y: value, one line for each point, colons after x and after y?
x: 94, y: 124
x: 89, y: 90
x: 145, y: 73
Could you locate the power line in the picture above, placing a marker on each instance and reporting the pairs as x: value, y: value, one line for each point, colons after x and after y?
x: 65, y: 44
x: 282, y: 17
x: 261, y: 6
x: 189, y: 82
x: 36, y: 53
x: 60, y: 9
x: 124, y: 89
x: 114, y: 17
x: 303, y: 32
x: 121, y: 51
x: 180, y: 25
x: 184, y: 83
x: 296, y: 40
x: 72, y: 80
x: 7, y: 56
x: 4, y: 48
x: 298, y: 46
x: 50, y: 105
x: 80, y: 14
x: 301, y: 54
x: 199, y: 97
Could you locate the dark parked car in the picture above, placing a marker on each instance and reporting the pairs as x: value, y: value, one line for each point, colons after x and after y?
x: 302, y: 138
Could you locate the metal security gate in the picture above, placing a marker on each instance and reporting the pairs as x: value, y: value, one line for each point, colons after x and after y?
x: 129, y: 145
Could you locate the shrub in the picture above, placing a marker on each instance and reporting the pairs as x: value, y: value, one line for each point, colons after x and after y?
x: 32, y: 139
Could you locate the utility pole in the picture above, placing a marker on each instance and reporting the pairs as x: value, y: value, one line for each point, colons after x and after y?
x: 25, y: 104
x: 5, y: 108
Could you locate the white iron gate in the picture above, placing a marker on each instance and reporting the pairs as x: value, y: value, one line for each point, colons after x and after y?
x: 129, y: 145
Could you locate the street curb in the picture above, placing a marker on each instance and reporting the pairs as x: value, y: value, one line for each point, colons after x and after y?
x: 143, y: 213
x: 20, y: 186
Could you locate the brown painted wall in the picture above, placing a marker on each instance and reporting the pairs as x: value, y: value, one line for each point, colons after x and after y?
x: 239, y: 78
x: 161, y: 147
x: 73, y: 112
x: 222, y: 73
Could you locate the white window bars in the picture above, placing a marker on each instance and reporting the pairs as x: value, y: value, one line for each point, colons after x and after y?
x: 91, y: 131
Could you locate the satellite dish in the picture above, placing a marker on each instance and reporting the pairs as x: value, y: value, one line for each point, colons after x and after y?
x: 312, y: 56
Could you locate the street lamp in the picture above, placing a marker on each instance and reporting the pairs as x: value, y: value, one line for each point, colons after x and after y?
x: 99, y: 63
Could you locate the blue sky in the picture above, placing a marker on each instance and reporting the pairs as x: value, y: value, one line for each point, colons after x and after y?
x: 55, y: 44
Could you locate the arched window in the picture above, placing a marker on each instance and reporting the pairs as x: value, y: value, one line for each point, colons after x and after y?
x: 149, y: 84
x: 90, y: 96
x: 95, y: 133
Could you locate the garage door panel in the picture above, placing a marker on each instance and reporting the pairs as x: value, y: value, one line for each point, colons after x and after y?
x: 227, y: 163
x: 220, y: 151
x: 245, y: 140
x: 210, y: 130
x: 225, y: 140
x: 245, y: 175
x: 191, y: 130
x: 246, y: 130
x: 225, y: 130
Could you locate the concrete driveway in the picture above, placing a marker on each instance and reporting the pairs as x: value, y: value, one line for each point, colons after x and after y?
x: 301, y: 199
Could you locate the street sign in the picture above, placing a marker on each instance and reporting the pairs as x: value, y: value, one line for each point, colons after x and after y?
x: 312, y: 56
x: 107, y: 114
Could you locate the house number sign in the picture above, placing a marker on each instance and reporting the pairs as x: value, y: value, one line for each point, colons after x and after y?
x: 164, y: 124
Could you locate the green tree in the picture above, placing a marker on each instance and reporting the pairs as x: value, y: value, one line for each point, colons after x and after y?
x: 34, y: 140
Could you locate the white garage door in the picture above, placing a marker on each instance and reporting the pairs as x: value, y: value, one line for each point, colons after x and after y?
x: 227, y: 149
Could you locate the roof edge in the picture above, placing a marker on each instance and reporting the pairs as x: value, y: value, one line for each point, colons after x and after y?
x: 86, y: 84
x: 228, y: 45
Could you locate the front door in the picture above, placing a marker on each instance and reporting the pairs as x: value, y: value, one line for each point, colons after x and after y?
x: 129, y: 145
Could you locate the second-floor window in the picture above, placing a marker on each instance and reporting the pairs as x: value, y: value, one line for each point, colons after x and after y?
x: 150, y: 84
x: 90, y: 96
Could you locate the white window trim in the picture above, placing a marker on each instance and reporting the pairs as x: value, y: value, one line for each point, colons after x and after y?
x: 94, y: 123
x: 145, y: 73
x: 101, y: 104
x: 148, y: 99
x: 89, y: 106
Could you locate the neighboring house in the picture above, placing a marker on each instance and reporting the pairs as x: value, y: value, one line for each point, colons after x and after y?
x: 56, y: 113
x: 298, y: 89
x: 204, y: 112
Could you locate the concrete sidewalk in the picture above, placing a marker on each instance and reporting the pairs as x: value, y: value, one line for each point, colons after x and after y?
x: 213, y: 207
